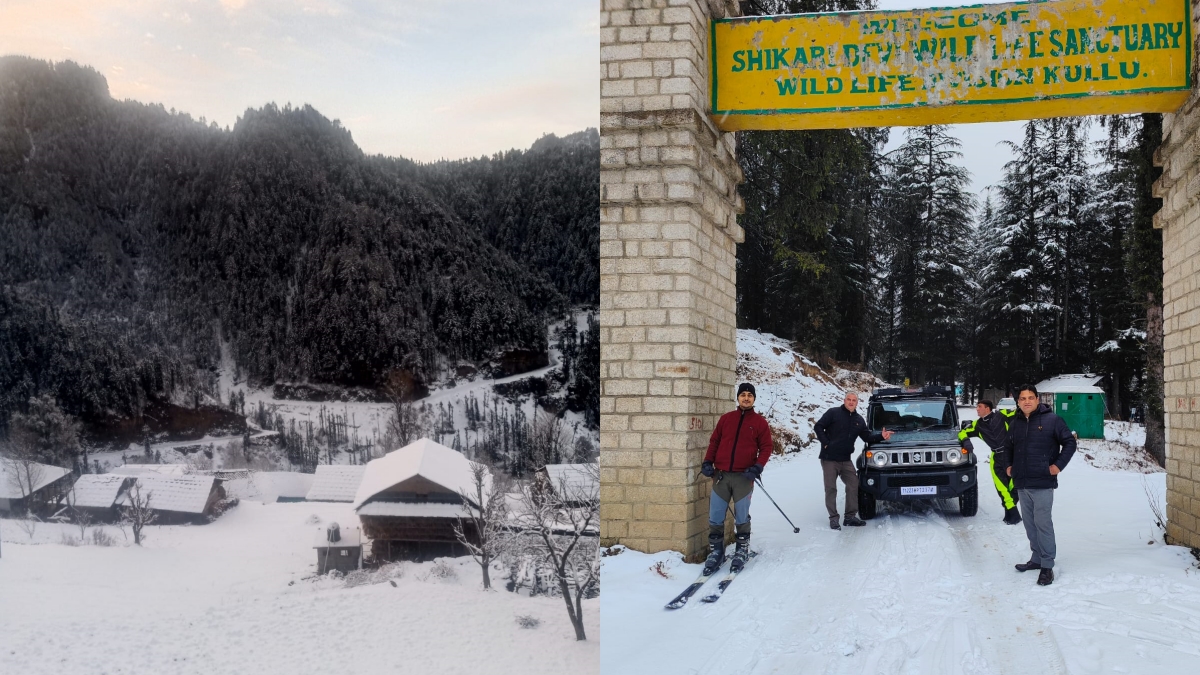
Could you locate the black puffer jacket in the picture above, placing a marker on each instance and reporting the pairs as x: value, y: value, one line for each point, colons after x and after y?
x: 837, y: 429
x: 1033, y: 444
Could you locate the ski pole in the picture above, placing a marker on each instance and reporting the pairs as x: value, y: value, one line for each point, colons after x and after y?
x: 794, y: 528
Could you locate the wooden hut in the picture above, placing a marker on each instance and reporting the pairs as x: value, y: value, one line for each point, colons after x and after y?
x: 96, y: 494
x: 576, y: 484
x: 24, y: 484
x: 179, y: 499
x: 410, y: 499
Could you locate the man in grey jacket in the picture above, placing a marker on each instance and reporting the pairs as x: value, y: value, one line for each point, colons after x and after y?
x: 1037, y: 449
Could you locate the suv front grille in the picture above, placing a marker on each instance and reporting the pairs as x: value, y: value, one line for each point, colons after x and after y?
x: 916, y: 458
x: 909, y: 481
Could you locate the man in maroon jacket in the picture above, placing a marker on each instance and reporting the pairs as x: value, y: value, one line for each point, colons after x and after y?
x: 737, y: 452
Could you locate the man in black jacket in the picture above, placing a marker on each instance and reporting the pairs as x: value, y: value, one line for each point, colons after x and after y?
x: 836, y: 430
x: 992, y: 427
x: 1038, y: 447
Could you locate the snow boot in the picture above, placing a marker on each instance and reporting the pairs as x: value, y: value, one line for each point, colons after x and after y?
x: 716, y: 555
x: 1011, y: 516
x: 741, y: 553
x: 833, y: 523
x: 853, y: 520
x: 1025, y: 567
x: 1046, y: 577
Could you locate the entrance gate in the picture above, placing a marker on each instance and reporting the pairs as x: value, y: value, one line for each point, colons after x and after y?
x: 678, y: 77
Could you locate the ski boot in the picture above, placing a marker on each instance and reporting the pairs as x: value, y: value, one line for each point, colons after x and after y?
x: 741, y: 553
x: 716, y: 555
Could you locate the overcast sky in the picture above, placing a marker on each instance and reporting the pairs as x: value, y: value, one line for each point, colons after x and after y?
x: 423, y: 79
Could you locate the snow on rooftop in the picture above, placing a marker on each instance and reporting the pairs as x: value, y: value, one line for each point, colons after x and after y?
x: 10, y: 484
x: 412, y: 509
x: 182, y: 494
x: 432, y: 461
x: 335, y: 483
x: 577, y: 479
x: 97, y: 491
x: 288, y: 484
x: 350, y: 538
x: 151, y: 470
x: 1082, y: 383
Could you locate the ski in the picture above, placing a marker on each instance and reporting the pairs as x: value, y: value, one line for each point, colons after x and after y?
x: 681, y: 599
x: 726, y: 581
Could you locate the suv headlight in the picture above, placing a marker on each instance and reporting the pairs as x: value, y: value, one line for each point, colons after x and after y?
x: 877, y: 458
x: 956, y: 456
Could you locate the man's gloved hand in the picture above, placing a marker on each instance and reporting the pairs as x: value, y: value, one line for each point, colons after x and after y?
x: 966, y: 444
x: 753, y: 472
x: 708, y: 469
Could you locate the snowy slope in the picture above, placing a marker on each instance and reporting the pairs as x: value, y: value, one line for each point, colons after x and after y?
x: 792, y: 390
x: 920, y: 590
x: 221, y: 599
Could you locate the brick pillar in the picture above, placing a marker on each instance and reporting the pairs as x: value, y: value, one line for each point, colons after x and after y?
x: 668, y: 237
x: 1179, y: 218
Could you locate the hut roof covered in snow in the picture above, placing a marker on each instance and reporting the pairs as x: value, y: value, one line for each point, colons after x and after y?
x: 182, y: 494
x: 1082, y: 383
x: 150, y: 470
x: 424, y: 459
x: 97, y: 491
x: 335, y: 483
x: 11, y: 478
x: 288, y: 484
x: 579, y: 482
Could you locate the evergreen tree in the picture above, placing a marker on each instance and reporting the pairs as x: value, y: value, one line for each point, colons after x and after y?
x: 925, y: 233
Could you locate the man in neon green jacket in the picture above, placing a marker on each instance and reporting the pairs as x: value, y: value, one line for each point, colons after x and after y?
x: 992, y: 428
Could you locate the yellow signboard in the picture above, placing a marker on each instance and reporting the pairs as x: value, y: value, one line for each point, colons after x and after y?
x: 982, y: 63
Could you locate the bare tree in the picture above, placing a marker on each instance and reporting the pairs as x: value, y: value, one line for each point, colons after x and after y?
x: 550, y: 440
x: 406, y: 424
x: 558, y: 530
x: 28, y: 525
x: 79, y: 517
x: 137, y: 511
x: 483, y: 527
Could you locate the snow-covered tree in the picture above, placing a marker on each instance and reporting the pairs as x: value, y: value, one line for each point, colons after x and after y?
x: 558, y: 530
x: 925, y: 226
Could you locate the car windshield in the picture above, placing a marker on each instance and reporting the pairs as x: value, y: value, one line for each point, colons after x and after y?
x: 910, y: 415
x: 1008, y: 402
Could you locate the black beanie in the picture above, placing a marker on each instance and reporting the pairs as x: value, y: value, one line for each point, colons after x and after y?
x: 746, y: 386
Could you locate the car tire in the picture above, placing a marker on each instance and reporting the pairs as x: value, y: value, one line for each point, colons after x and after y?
x: 866, y: 505
x: 968, y: 502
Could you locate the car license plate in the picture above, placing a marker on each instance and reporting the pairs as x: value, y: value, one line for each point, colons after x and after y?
x: 919, y: 490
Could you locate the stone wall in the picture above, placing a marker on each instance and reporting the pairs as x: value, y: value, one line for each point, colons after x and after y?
x: 668, y: 236
x: 1179, y: 187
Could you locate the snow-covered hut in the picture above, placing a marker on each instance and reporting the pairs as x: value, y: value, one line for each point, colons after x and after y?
x: 22, y: 482
x: 335, y: 483
x: 1078, y: 399
x: 179, y: 498
x: 338, y: 549
x: 97, y: 494
x: 577, y: 483
x: 409, y: 500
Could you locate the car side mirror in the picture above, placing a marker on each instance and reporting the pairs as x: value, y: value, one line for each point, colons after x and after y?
x: 965, y: 424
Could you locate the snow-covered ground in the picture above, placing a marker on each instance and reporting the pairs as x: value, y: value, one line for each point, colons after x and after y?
x: 920, y: 590
x: 236, y: 596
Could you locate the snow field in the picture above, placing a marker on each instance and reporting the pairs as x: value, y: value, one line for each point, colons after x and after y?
x: 921, y: 590
x: 236, y: 596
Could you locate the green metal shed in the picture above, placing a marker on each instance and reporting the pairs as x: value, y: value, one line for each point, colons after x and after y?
x: 1078, y: 400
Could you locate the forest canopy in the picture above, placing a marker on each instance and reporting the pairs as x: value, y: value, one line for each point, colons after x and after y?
x: 136, y: 240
